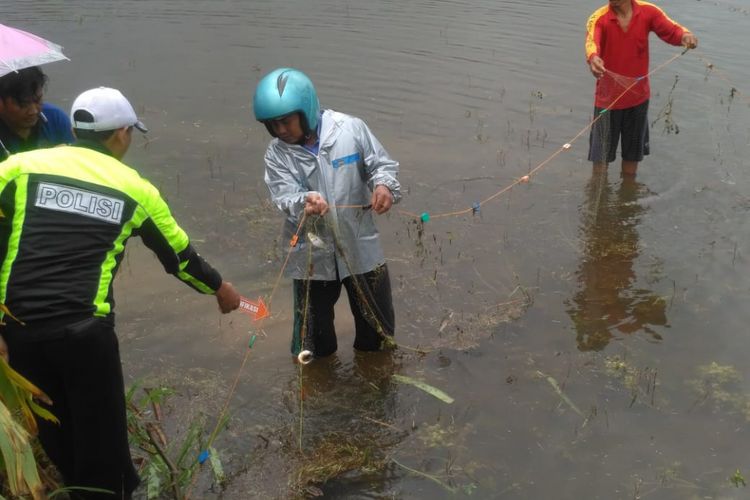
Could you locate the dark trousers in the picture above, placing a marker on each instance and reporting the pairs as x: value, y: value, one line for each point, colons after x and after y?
x: 631, y: 124
x: 369, y: 300
x: 79, y: 369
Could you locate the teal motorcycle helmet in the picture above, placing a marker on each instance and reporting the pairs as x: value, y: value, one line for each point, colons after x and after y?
x: 282, y: 92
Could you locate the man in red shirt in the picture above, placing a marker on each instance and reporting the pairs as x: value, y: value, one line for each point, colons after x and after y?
x: 617, y: 47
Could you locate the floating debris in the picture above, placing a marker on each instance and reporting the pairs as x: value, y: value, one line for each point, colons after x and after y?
x: 333, y: 456
x: 444, y: 323
x: 432, y: 478
x: 560, y: 393
x: 434, y: 391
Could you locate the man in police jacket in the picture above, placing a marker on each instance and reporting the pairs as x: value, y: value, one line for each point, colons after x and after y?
x: 67, y: 213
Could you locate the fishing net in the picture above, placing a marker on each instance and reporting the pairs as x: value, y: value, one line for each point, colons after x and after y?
x: 371, y: 291
x: 613, y: 89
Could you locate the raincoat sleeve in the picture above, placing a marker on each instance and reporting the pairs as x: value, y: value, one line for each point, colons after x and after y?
x: 380, y: 168
x: 287, y: 191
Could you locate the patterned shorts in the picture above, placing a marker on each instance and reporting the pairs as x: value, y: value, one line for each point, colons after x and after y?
x: 631, y: 124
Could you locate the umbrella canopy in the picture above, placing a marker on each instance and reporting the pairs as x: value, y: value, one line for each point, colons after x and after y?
x: 20, y: 49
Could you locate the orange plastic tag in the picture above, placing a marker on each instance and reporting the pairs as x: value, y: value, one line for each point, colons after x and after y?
x: 256, y: 310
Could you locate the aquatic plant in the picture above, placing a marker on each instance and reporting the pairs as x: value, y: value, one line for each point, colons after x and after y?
x: 168, y: 468
x: 333, y: 455
x: 666, y: 113
x: 641, y: 382
x: 438, y: 435
x: 18, y: 459
x: 717, y: 384
x: 738, y: 479
x: 434, y: 391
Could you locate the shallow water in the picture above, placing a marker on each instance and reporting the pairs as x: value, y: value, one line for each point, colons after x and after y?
x: 610, y: 293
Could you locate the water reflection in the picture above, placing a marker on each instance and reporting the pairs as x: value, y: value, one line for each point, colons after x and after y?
x: 608, y: 300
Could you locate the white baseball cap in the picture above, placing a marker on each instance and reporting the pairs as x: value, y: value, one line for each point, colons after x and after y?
x: 110, y: 109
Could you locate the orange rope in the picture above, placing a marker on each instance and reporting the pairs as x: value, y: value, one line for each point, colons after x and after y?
x: 225, y: 407
x: 292, y: 244
x: 523, y: 179
x: 562, y: 148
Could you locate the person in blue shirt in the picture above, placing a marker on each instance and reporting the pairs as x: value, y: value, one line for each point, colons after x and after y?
x: 26, y: 121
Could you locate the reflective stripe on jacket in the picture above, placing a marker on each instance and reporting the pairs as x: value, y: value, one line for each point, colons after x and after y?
x: 67, y: 213
x: 348, y: 166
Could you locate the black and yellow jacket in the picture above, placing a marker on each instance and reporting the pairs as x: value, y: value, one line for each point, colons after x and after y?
x: 67, y: 213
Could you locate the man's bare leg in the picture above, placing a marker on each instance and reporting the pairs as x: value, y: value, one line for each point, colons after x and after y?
x: 599, y: 167
x: 629, y: 168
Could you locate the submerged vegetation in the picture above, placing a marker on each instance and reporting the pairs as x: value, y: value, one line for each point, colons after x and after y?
x: 333, y: 455
x: 528, y: 406
x: 718, y: 387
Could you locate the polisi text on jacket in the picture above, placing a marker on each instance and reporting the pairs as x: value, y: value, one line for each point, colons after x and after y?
x: 79, y: 201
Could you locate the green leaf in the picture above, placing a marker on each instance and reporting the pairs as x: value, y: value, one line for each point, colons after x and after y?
x: 153, y: 481
x: 18, y: 456
x: 551, y: 380
x: 17, y: 394
x: 434, y: 391
x: 187, y: 444
x: 42, y: 412
x: 218, y: 470
x: 68, y: 489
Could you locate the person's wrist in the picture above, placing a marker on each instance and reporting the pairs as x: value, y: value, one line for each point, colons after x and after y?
x: 387, y: 187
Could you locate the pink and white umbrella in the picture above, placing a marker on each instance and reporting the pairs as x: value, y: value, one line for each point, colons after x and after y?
x: 20, y: 49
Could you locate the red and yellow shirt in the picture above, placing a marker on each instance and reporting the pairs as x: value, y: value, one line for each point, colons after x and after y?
x: 626, y: 52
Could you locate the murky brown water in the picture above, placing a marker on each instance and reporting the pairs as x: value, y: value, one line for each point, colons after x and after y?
x: 618, y: 293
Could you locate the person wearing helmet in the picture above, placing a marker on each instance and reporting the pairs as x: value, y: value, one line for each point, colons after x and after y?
x: 328, y: 173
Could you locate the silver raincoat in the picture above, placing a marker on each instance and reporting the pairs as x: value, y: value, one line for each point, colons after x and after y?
x: 349, y: 164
